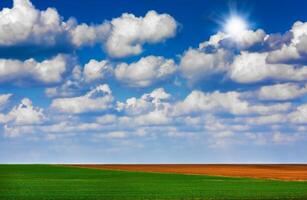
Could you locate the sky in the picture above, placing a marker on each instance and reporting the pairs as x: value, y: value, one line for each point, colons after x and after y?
x: 153, y: 82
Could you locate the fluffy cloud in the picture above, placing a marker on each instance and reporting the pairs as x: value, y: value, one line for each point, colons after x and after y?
x: 215, y: 55
x: 299, y: 115
x: 284, y: 91
x: 84, y: 35
x: 24, y: 26
x: 252, y: 67
x: 231, y: 102
x: 250, y: 38
x: 95, y: 70
x: 146, y: 103
x: 4, y: 98
x: 24, y: 113
x: 196, y: 64
x: 146, y: 71
x: 283, y: 55
x: 243, y: 41
x: 251, y: 56
x: 130, y: 32
x: 295, y: 50
x: 47, y: 71
x: 268, y: 119
x: 67, y: 89
x: 98, y: 99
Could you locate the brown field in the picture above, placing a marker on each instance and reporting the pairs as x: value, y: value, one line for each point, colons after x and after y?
x: 269, y: 171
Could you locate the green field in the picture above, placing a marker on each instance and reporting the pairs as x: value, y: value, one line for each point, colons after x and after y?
x: 48, y: 182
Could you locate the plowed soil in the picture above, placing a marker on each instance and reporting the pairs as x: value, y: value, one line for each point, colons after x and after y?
x: 267, y: 171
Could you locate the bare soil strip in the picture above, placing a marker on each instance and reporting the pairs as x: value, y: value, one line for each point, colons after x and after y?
x: 267, y: 171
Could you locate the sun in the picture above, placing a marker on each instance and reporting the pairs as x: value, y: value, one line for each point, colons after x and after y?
x: 235, y: 25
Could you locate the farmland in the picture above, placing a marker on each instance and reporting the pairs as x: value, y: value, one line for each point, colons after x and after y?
x: 267, y: 171
x: 54, y: 182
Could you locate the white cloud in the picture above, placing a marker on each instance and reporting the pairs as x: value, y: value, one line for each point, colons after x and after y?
x: 299, y: 115
x: 24, y: 113
x: 106, y: 119
x: 252, y: 67
x: 84, y: 35
x: 146, y: 103
x: 4, y: 98
x: 213, y: 125
x: 260, y: 56
x: 67, y: 89
x: 146, y: 71
x: 95, y: 70
x: 98, y: 99
x: 268, y: 119
x: 245, y: 40
x: 283, y: 55
x: 25, y: 26
x: 198, y: 101
x: 283, y: 91
x: 80, y: 78
x: 280, y: 138
x: 130, y: 32
x: 47, y: 71
x: 249, y: 38
x: 296, y: 50
x: 156, y: 117
x: 115, y: 135
x: 231, y: 102
x: 196, y: 64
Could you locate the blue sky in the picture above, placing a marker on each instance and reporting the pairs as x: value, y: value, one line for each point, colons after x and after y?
x: 153, y: 82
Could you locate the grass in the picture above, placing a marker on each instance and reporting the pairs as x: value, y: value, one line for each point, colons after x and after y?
x: 49, y: 182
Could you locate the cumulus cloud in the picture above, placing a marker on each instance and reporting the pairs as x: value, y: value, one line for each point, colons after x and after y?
x: 245, y: 40
x: 285, y: 91
x: 196, y: 64
x: 156, y: 100
x: 67, y: 89
x: 85, y: 35
x: 82, y: 77
x: 147, y: 71
x: 293, y: 51
x: 26, y: 27
x: 296, y: 116
x: 98, y: 99
x: 24, y: 113
x: 249, y: 57
x: 23, y: 24
x: 47, y: 71
x: 252, y: 67
x: 268, y: 119
x: 299, y: 115
x: 231, y: 102
x: 283, y: 55
x: 130, y: 32
x: 215, y: 55
x: 4, y: 98
x: 95, y: 70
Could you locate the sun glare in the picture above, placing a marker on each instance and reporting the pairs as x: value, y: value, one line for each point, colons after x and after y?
x: 235, y: 25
